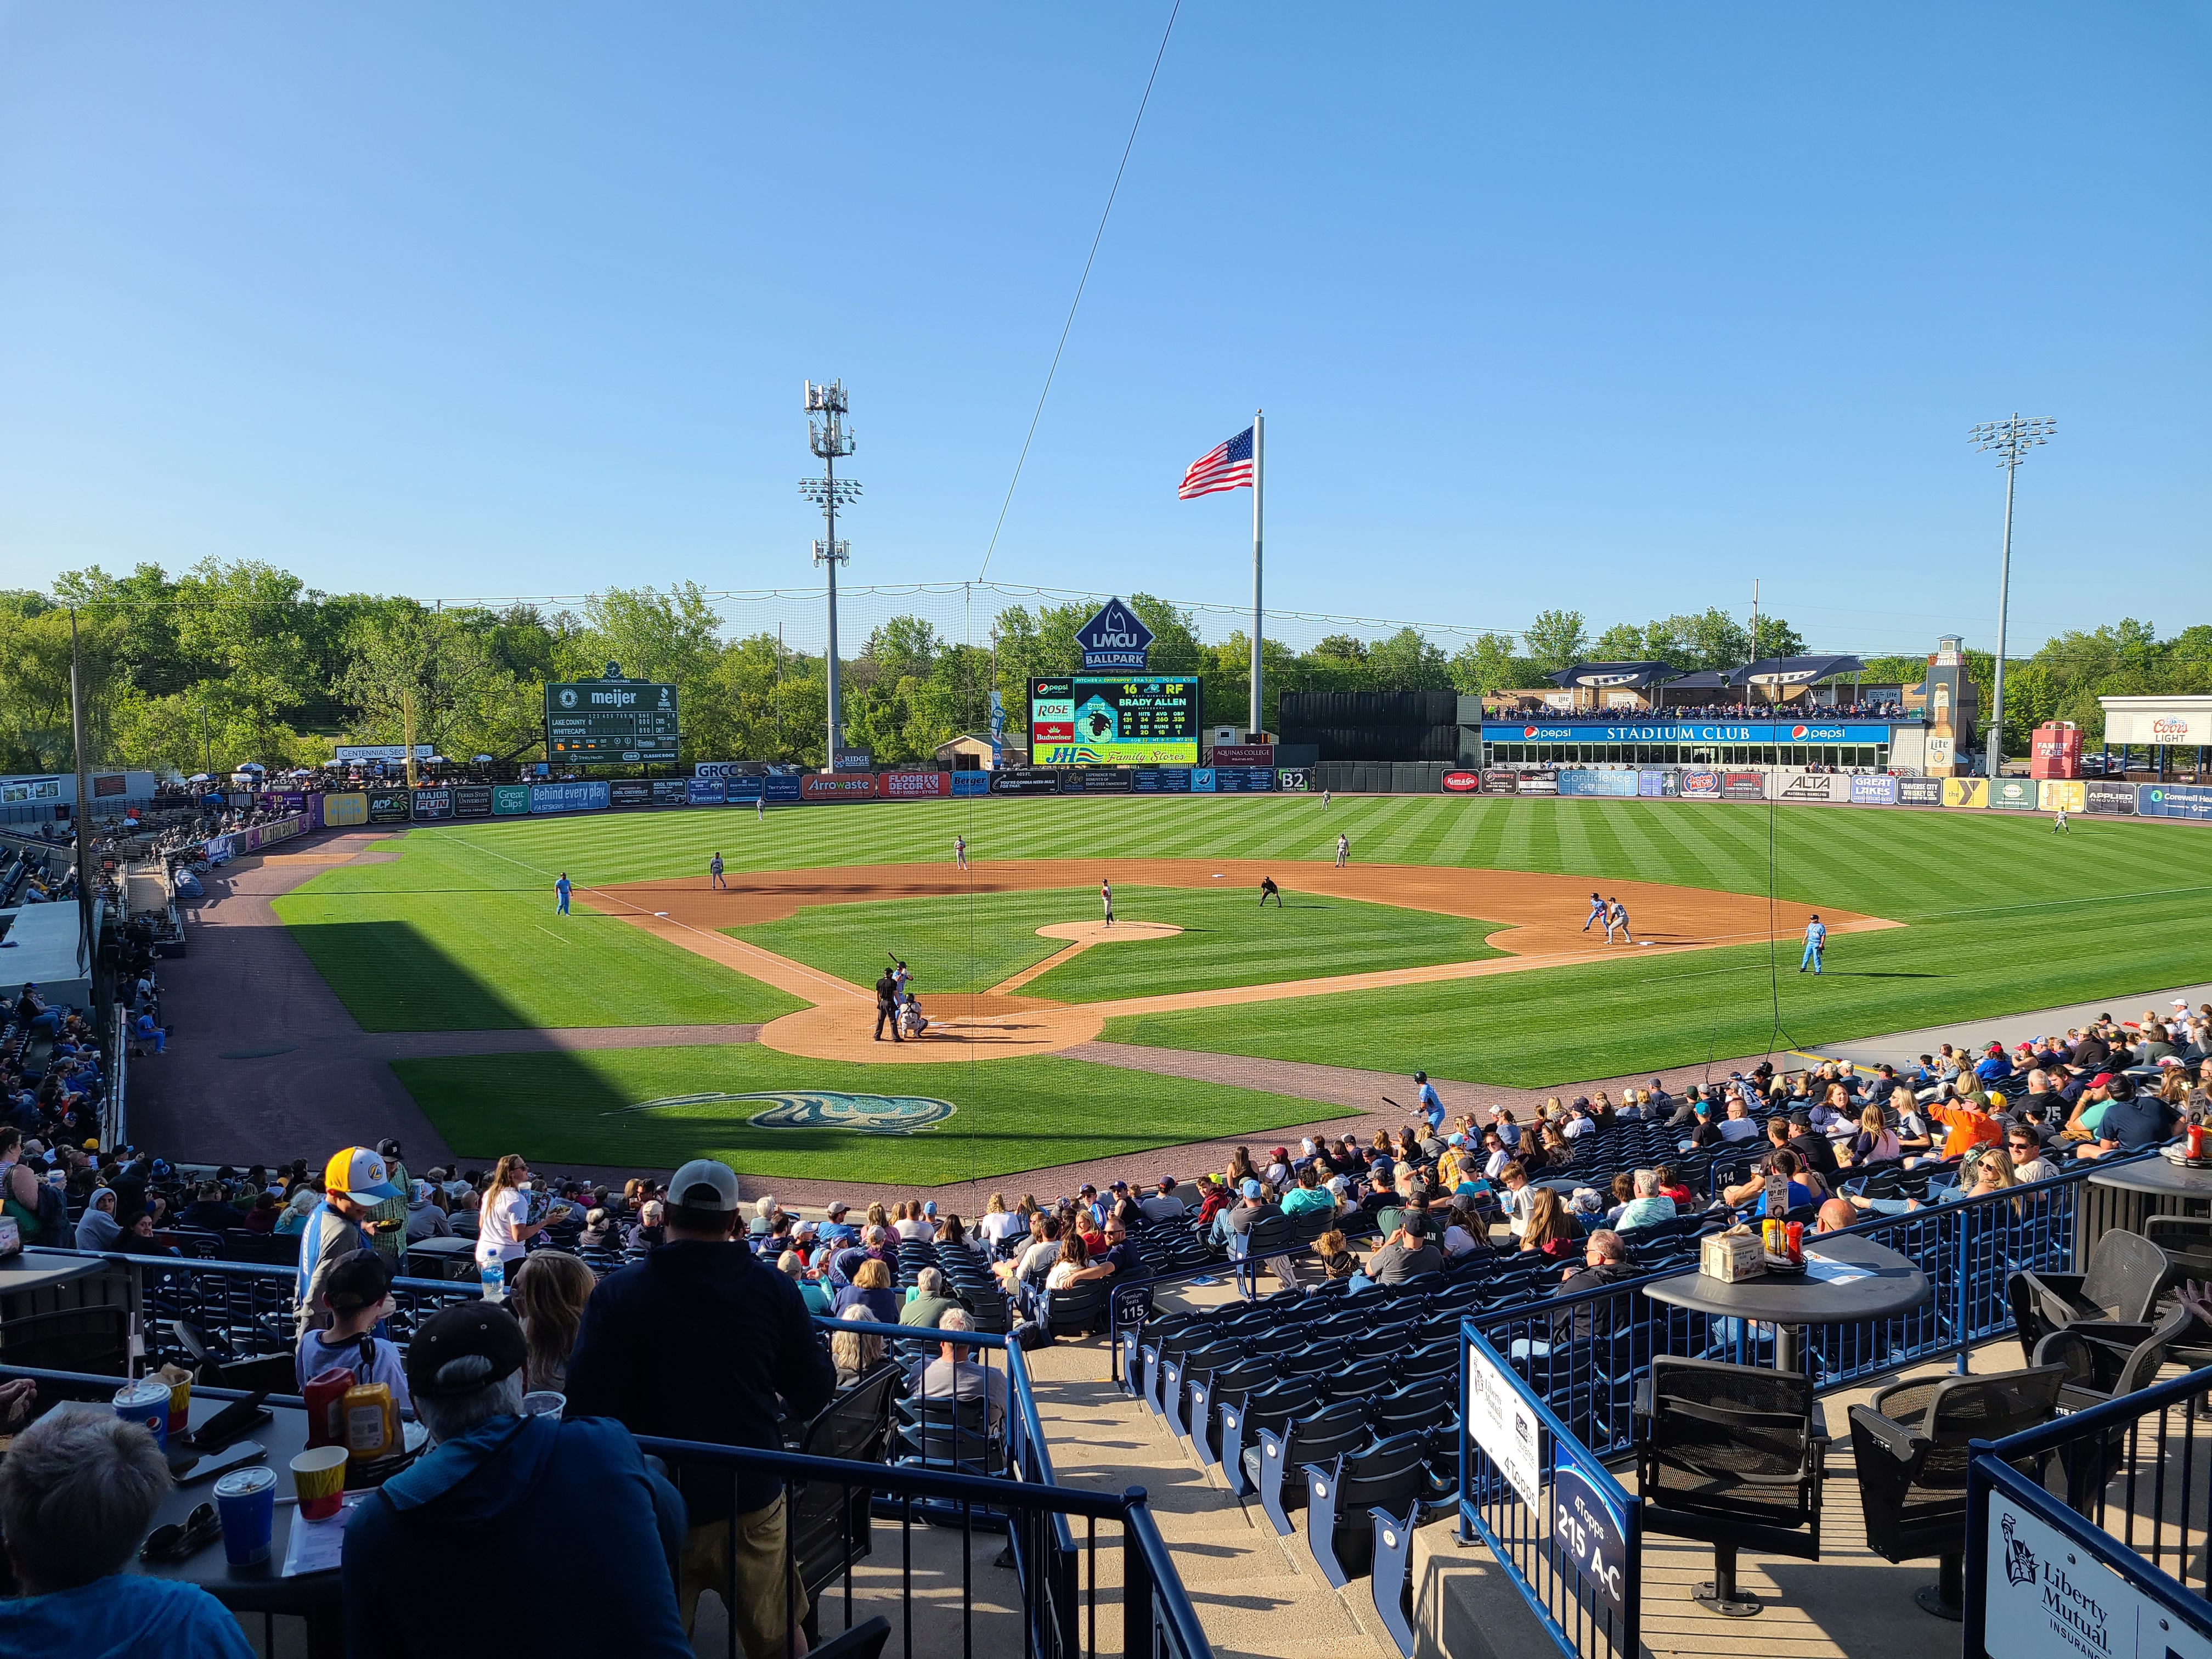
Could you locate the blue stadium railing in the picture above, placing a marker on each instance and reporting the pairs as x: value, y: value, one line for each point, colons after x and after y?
x: 2107, y: 1566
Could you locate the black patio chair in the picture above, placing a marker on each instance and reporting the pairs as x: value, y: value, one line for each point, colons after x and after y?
x: 2126, y: 1274
x: 1727, y: 1454
x: 1910, y: 1443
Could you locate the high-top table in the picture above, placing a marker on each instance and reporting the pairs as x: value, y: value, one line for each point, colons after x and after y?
x: 2126, y: 1195
x: 1848, y: 1281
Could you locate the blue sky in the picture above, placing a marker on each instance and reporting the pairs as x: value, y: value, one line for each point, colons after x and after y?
x: 1615, y: 308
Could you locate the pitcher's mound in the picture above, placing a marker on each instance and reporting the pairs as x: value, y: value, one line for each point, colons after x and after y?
x: 1098, y: 932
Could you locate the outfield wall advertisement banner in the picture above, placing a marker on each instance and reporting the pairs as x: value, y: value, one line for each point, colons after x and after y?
x: 1873, y: 791
x: 1920, y: 792
x: 1114, y: 720
x: 837, y: 785
x: 1697, y: 784
x: 431, y: 803
x: 779, y: 787
x: 1293, y: 777
x: 1241, y: 754
x: 1098, y: 780
x: 1659, y: 785
x: 568, y: 797
x: 1588, y: 781
x: 2013, y: 794
x: 2061, y: 795
x: 1743, y: 786
x: 1461, y: 783
x: 510, y: 799
x: 702, y: 792
x: 1160, y: 780
x: 1574, y: 731
x: 472, y: 800
x: 744, y: 788
x: 390, y: 806
x: 668, y: 792
x: 1243, y: 780
x: 1536, y: 783
x: 1026, y: 781
x: 1501, y: 783
x: 971, y: 783
x: 629, y: 792
x: 1808, y: 786
x: 1966, y: 792
x: 2175, y: 800
x: 916, y: 785
x: 344, y: 808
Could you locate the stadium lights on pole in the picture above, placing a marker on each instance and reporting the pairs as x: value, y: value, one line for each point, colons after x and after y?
x: 2010, y: 440
x: 829, y: 440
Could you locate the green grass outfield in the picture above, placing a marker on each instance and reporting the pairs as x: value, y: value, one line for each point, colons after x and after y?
x: 960, y: 943
x: 2001, y: 915
x: 1013, y: 1115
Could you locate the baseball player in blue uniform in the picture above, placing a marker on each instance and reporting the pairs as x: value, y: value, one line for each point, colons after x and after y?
x: 1597, y: 912
x: 561, y: 887
x: 1816, y: 940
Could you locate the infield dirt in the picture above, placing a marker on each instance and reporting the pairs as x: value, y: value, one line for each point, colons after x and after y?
x: 1540, y: 920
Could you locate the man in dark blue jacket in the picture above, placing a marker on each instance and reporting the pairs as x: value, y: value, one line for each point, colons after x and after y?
x: 503, y: 1499
x: 696, y: 1342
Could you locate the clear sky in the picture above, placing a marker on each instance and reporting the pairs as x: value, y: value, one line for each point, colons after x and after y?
x: 1615, y: 307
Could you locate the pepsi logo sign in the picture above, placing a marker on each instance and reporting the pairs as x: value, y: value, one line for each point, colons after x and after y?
x: 1797, y: 733
x: 1530, y: 731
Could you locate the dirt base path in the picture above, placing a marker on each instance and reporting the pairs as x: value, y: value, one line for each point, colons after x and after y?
x: 1540, y: 922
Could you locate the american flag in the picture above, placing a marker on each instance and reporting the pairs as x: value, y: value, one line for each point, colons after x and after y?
x: 1225, y: 467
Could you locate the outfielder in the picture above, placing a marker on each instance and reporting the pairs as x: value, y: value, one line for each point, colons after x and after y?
x: 1343, y: 849
x: 561, y: 887
x: 714, y: 872
x: 960, y: 852
x: 1816, y: 940
x: 1267, y: 891
x: 2058, y: 826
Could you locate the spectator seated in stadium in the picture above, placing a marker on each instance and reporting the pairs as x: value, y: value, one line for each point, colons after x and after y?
x: 426, y: 1216
x: 1406, y: 1254
x: 77, y: 1491
x: 871, y: 1288
x: 423, y: 1550
x: 698, y: 1341
x: 548, y: 1296
x: 1166, y: 1203
x: 358, y: 1291
x: 1649, y: 1207
x: 1984, y: 1169
x: 928, y: 1303
x: 954, y: 1374
x: 97, y: 1228
x: 2131, y: 1121
x: 854, y: 1353
x: 209, y: 1211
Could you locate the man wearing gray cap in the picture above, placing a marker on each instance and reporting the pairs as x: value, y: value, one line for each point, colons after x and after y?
x: 696, y: 1342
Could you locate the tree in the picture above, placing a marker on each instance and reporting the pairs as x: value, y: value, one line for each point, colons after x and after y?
x: 1407, y: 661
x: 1622, y: 642
x: 1556, y: 639
x: 1488, y: 665
x: 464, y: 702
x: 244, y: 624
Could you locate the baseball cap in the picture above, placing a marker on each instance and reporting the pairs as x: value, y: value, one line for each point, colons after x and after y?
x: 482, y: 1329
x: 930, y: 1208
x: 2100, y: 1079
x: 360, y: 1174
x: 1252, y: 1189
x: 839, y: 1206
x: 1382, y: 1166
x: 719, y: 1181
x: 1337, y: 1185
x: 358, y: 1281
x: 1996, y: 1047
x: 1279, y: 1153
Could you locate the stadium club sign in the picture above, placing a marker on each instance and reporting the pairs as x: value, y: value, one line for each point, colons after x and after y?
x: 1116, y: 638
x: 1670, y: 732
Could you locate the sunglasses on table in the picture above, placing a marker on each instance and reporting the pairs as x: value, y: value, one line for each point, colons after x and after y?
x: 177, y: 1540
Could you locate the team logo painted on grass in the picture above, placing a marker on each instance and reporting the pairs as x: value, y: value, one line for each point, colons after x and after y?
x: 867, y: 1114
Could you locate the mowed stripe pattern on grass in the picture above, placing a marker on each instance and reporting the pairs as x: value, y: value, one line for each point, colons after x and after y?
x: 426, y: 945
x: 1012, y: 1115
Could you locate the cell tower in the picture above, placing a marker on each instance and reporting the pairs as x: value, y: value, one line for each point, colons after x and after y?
x: 828, y: 438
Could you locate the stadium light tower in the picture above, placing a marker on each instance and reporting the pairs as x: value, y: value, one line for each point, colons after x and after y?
x: 2010, y: 440
x: 828, y: 438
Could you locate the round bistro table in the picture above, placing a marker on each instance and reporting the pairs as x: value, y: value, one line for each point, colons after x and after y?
x: 2126, y: 1195
x: 1887, y: 1285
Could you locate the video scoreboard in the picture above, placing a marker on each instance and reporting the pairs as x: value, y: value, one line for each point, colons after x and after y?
x: 1114, y: 720
x: 610, y: 721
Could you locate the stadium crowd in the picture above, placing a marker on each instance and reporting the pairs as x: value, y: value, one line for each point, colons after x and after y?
x: 674, y: 1310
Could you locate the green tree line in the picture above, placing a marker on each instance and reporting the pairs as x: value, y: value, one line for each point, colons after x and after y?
x: 228, y: 662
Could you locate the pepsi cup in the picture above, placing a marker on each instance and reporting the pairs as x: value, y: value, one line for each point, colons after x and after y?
x: 246, y: 1504
x: 147, y: 1403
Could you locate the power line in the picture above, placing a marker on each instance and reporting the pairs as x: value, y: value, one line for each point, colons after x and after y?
x: 1080, y: 285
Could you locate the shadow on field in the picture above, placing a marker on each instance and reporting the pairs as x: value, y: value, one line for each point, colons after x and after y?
x: 392, y: 977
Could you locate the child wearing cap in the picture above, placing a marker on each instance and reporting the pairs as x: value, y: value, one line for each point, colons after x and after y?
x: 358, y: 1291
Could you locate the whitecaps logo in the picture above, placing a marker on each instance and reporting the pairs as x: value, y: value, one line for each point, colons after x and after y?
x: 867, y: 1114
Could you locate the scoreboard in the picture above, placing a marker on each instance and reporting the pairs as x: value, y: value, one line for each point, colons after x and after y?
x: 1114, y: 720
x: 590, y: 722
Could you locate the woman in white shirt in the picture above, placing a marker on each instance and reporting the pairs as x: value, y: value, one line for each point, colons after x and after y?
x: 503, y: 1220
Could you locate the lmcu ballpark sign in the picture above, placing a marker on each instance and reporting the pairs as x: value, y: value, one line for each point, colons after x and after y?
x: 1116, y: 638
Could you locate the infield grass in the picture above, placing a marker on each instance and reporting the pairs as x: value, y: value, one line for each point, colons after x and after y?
x: 1013, y: 1115
x: 971, y: 943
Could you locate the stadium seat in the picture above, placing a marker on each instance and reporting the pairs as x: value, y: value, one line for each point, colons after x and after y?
x: 1320, y: 1438
x: 1389, y: 1475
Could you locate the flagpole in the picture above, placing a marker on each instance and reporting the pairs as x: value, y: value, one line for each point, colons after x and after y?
x: 1259, y: 507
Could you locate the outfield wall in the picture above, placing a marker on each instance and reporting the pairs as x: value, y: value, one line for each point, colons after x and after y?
x: 446, y: 802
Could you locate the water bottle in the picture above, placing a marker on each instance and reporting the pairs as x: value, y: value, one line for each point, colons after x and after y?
x: 494, y: 1274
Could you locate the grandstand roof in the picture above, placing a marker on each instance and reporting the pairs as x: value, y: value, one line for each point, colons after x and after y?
x: 1795, y: 671
x: 1614, y: 675
x: 1705, y: 679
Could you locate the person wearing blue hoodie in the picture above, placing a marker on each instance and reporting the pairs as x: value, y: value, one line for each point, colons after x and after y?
x: 431, y: 1556
x: 78, y: 1489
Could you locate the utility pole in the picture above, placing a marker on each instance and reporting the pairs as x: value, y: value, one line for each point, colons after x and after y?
x: 2010, y: 439
x: 85, y: 921
x: 829, y: 440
